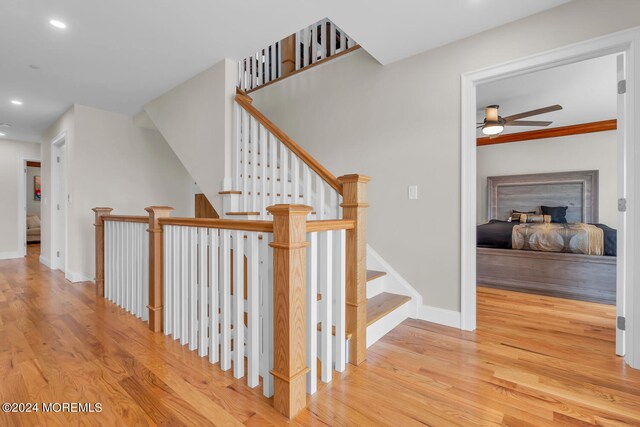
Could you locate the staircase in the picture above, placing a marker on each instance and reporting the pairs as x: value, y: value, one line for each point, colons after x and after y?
x: 270, y: 168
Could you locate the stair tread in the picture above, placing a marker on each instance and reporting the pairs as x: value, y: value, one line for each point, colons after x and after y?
x: 374, y: 274
x: 243, y: 213
x: 347, y: 335
x: 383, y: 304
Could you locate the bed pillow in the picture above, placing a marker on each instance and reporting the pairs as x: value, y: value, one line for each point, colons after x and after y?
x: 536, y: 218
x: 558, y: 213
x: 515, y: 215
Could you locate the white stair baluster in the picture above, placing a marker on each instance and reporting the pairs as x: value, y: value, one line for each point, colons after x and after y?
x: 244, y: 187
x: 237, y: 126
x: 339, y: 299
x: 264, y: 158
x: 167, y: 248
x: 284, y: 174
x: 313, y: 44
x: 254, y: 165
x: 332, y: 39
x: 213, y: 296
x: 177, y: 281
x: 326, y: 318
x: 320, y: 197
x: 343, y: 41
x: 295, y: 179
x: 253, y: 300
x: 305, y: 47
x: 203, y: 297
x: 298, y: 48
x: 312, y: 313
x: 145, y: 274
x: 238, y: 304
x: 323, y: 39
x: 273, y: 166
x: 267, y: 315
x: 184, y: 285
x: 225, y: 299
x: 306, y: 186
x: 193, y: 288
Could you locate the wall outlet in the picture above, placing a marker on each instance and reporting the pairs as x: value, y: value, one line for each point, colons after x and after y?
x: 413, y: 192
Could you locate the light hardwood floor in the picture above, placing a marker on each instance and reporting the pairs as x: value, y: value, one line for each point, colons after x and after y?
x: 534, y: 361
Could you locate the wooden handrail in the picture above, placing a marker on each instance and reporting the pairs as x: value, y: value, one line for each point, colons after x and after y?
x: 330, y: 224
x: 328, y: 177
x: 225, y: 224
x: 127, y: 218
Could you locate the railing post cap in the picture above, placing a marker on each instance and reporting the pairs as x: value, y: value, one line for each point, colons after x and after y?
x: 289, y: 210
x: 354, y: 178
x: 102, y: 210
x: 158, y: 209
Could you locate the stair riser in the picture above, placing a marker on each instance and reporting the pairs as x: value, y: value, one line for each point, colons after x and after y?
x: 380, y: 328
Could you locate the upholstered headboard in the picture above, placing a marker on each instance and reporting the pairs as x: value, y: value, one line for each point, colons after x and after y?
x: 577, y: 190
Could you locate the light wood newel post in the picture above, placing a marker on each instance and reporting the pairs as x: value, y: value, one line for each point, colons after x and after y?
x: 289, y: 307
x: 354, y: 207
x: 99, y: 224
x: 289, y: 55
x: 156, y: 298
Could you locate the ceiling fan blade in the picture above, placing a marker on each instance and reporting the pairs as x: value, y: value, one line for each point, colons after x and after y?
x: 479, y: 126
x: 533, y: 112
x: 528, y: 123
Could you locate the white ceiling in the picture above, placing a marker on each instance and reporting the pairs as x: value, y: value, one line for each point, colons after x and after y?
x: 119, y: 54
x: 586, y: 90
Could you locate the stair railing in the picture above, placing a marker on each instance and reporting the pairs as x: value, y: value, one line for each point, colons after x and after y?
x: 206, y: 276
x: 310, y: 46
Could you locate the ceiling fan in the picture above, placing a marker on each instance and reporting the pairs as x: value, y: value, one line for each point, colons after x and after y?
x: 493, y: 124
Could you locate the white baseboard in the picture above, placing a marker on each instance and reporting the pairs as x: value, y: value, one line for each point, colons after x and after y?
x: 75, y: 277
x: 45, y: 261
x: 440, y: 316
x: 10, y: 255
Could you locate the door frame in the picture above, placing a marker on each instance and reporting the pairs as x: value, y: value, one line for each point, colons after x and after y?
x: 22, y: 202
x: 625, y: 42
x: 56, y: 144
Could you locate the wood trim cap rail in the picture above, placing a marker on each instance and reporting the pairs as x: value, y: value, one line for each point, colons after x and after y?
x: 327, y: 176
x: 330, y: 224
x: 127, y: 218
x: 226, y: 224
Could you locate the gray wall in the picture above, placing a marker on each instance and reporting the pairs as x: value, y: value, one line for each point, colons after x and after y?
x: 401, y: 125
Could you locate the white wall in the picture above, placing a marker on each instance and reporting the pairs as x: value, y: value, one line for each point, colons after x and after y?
x: 195, y: 118
x: 111, y: 162
x: 33, y: 206
x: 591, y: 151
x: 11, y: 170
x: 401, y: 124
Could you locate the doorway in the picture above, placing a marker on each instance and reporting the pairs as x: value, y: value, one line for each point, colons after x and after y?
x: 627, y: 44
x: 58, y: 203
x: 30, y: 206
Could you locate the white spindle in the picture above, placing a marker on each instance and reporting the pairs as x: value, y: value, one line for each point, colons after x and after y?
x: 320, y: 197
x: 323, y: 38
x: 213, y: 296
x: 284, y: 174
x: 313, y: 44
x: 244, y: 205
x: 306, y: 185
x: 203, y: 297
x: 295, y: 179
x: 279, y: 60
x: 253, y: 300
x: 343, y: 41
x: 264, y: 157
x: 306, y: 42
x: 193, y: 288
x: 237, y: 126
x: 273, y: 167
x: 238, y: 303
x: 167, y: 248
x: 339, y: 299
x: 298, y: 48
x: 332, y: 39
x: 225, y: 299
x: 266, y: 287
x: 184, y: 289
x: 312, y: 312
x: 326, y: 316
x: 177, y: 276
x: 254, y: 164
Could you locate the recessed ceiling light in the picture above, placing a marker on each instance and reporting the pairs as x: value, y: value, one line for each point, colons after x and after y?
x: 58, y: 24
x: 16, y: 102
x: 1, y: 134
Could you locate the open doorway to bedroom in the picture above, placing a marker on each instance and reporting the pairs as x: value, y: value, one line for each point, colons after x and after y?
x: 547, y: 212
x: 32, y: 188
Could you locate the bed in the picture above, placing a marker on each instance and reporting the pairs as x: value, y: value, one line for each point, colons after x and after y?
x: 567, y: 275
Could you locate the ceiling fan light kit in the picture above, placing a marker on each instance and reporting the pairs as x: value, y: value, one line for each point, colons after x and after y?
x: 493, y: 124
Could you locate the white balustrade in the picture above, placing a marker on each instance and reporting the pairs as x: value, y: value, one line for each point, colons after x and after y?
x: 205, y: 309
x: 268, y: 173
x: 126, y: 266
x: 312, y: 44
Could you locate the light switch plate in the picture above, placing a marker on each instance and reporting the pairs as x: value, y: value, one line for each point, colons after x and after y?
x: 413, y: 192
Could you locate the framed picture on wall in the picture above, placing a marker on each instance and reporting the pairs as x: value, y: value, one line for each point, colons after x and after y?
x: 36, y: 189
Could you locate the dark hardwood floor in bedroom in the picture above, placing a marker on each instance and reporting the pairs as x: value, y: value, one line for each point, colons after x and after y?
x: 533, y: 361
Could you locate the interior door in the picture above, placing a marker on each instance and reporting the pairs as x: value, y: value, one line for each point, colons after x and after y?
x: 622, y: 216
x: 60, y: 208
